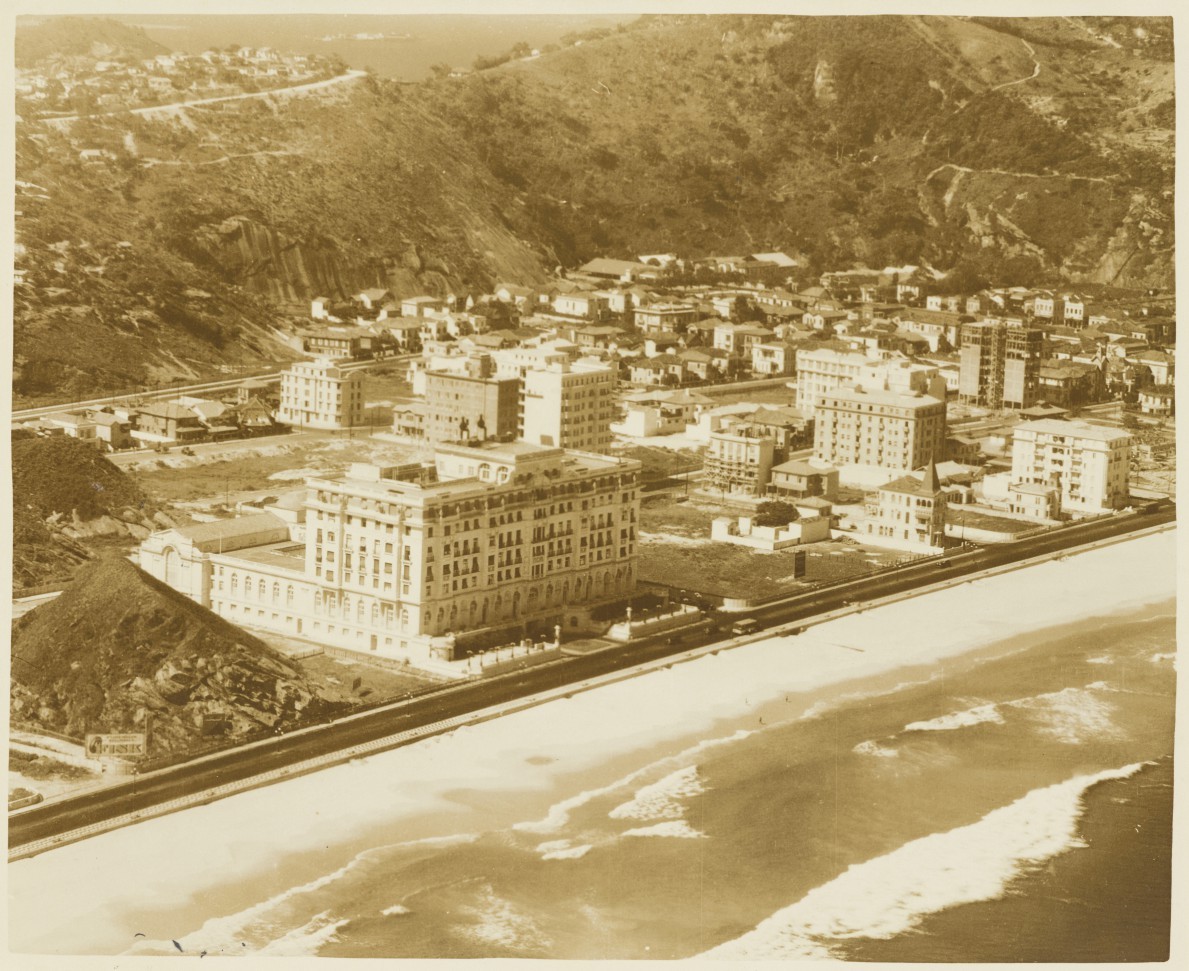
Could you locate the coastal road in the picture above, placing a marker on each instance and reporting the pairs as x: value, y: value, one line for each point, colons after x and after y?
x: 176, y: 391
x: 174, y: 106
x: 141, y: 794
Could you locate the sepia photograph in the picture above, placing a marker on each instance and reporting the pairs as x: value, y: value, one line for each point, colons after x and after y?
x: 592, y: 482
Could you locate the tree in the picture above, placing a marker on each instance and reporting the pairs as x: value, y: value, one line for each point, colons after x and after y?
x: 440, y: 70
x: 775, y: 514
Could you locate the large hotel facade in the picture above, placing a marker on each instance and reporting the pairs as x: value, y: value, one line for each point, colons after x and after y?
x: 412, y: 561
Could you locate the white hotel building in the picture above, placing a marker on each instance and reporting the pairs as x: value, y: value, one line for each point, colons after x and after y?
x: 405, y: 561
x: 321, y: 394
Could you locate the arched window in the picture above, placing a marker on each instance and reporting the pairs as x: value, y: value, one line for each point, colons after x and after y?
x: 375, y: 614
x: 234, y: 584
x: 289, y: 595
x: 404, y: 618
x: 317, y: 601
x: 261, y: 589
x: 359, y: 611
x: 276, y: 593
x: 173, y: 567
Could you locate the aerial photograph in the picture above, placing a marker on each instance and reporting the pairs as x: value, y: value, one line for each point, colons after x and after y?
x: 592, y: 486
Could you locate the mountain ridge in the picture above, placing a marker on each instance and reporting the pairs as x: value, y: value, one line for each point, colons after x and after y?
x: 870, y: 140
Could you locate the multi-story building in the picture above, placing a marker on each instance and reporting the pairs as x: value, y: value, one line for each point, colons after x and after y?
x: 1088, y: 463
x: 773, y: 358
x: 320, y: 394
x: 1000, y: 364
x: 823, y: 370
x: 568, y: 406
x: 880, y: 429
x: 409, y: 561
x: 909, y: 513
x: 665, y: 317
x: 739, y: 462
x: 474, y: 404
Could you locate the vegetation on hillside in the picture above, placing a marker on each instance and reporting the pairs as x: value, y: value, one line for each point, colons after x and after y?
x: 881, y: 140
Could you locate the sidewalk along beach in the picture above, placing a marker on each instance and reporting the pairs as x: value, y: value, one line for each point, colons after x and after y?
x: 892, y: 785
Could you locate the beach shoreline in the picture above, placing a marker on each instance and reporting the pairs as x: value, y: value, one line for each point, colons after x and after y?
x: 499, y: 773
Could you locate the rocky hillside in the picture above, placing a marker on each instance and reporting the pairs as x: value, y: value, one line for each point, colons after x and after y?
x: 67, y: 498
x: 118, y: 646
x: 1027, y: 150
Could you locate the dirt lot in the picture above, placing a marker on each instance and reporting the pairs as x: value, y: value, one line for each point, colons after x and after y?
x: 254, y: 470
x: 676, y: 549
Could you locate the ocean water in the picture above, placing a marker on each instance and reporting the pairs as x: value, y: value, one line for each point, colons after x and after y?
x: 1010, y: 804
x: 411, y: 42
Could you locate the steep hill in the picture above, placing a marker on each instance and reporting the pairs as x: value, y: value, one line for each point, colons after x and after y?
x: 117, y: 645
x: 65, y: 495
x: 88, y: 37
x: 1035, y: 150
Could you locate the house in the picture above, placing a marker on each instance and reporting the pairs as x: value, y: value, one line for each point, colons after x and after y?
x: 320, y: 308
x: 587, y: 306
x: 820, y: 319
x: 773, y: 358
x: 665, y: 317
x: 336, y: 342
x: 598, y: 335
x: 705, y: 364
x: 701, y: 332
x: 655, y: 372
x: 114, y: 432
x: 738, y: 339
x: 523, y: 297
x: 625, y: 271
x: 373, y: 298
x: 256, y: 417
x: 659, y: 343
x: 1159, y: 400
x: 651, y: 413
x: 802, y: 479
x: 167, y: 423
x: 1160, y: 364
x: 421, y: 306
x: 909, y: 513
x: 75, y: 426
x: 744, y: 531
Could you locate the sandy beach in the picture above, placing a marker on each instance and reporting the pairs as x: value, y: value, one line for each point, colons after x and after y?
x: 201, y: 877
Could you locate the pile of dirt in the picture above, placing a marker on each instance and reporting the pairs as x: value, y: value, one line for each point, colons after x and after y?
x: 66, y: 497
x: 119, y: 648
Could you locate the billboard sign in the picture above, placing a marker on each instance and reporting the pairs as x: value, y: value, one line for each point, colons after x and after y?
x: 115, y: 746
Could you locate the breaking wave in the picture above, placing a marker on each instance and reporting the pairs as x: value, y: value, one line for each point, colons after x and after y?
x: 660, y: 800
x: 978, y: 715
x: 888, y: 895
x: 677, y: 828
x: 559, y: 814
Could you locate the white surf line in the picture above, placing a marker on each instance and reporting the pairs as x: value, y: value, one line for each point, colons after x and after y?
x: 519, y: 704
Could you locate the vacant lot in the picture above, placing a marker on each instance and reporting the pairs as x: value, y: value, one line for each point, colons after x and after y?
x: 251, y: 470
x: 725, y: 570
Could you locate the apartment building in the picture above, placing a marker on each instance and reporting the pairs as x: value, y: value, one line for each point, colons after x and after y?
x: 1087, y: 463
x: 878, y: 428
x: 823, y: 370
x: 568, y: 405
x: 475, y: 404
x: 411, y: 561
x: 739, y: 462
x: 1000, y: 364
x: 320, y: 394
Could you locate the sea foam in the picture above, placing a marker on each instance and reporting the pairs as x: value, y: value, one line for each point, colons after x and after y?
x: 890, y: 894
x: 978, y: 715
x: 661, y: 799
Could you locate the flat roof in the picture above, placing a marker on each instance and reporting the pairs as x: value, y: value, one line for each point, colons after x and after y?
x: 1073, y: 428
